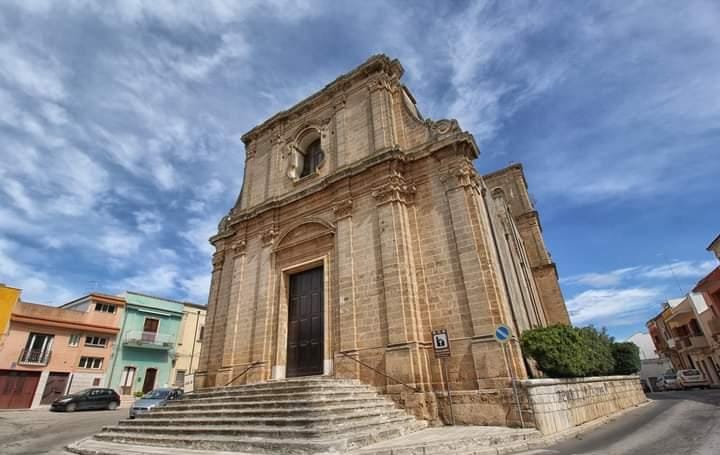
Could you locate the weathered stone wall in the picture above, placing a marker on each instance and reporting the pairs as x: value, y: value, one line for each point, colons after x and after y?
x: 560, y: 404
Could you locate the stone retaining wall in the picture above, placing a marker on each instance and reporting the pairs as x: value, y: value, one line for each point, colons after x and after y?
x: 559, y: 404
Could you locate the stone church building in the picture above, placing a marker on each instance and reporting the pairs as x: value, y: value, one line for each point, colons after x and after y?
x: 360, y: 228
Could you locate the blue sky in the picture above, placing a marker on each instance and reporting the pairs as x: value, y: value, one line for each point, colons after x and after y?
x: 120, y: 127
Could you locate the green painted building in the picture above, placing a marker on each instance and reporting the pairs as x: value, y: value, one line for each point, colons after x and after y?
x: 145, y: 350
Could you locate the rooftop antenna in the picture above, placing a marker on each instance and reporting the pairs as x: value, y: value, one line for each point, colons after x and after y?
x: 672, y: 272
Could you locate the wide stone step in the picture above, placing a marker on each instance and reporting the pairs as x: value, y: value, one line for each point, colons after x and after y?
x: 282, y: 383
x: 262, y: 431
x: 319, y: 421
x: 304, y: 411
x: 299, y: 395
x: 314, y: 402
x: 278, y: 390
x: 287, y: 446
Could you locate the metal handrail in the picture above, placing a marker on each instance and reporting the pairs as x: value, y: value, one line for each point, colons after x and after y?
x: 248, y: 368
x: 380, y: 372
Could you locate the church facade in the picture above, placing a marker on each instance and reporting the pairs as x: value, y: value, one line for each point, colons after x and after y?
x: 361, y: 227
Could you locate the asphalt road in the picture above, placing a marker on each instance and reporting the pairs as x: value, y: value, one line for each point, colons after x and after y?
x: 675, y: 423
x: 43, y: 432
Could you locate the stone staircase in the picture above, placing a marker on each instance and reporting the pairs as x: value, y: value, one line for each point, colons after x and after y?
x: 295, y: 416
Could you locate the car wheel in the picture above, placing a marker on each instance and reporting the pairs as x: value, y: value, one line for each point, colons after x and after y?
x: 70, y: 407
x: 112, y: 406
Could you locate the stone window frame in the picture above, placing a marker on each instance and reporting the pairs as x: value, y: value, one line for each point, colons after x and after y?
x: 298, y: 151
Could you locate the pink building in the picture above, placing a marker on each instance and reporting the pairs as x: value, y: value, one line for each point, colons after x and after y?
x: 51, y: 351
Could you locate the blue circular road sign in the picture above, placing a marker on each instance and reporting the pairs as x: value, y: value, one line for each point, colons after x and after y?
x: 502, y: 333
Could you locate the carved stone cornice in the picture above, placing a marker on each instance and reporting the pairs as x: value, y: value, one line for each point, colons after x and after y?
x: 343, y: 209
x: 442, y: 127
x: 269, y: 235
x: 395, y: 189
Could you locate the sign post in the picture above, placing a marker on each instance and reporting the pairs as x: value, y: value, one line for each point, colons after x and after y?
x: 441, y: 346
x: 502, y: 336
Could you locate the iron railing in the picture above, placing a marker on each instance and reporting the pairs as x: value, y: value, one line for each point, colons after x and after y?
x: 139, y: 337
x: 414, y: 389
x: 35, y: 356
x: 242, y: 373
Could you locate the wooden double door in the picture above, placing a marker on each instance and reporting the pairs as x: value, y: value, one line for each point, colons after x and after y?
x: 305, y: 324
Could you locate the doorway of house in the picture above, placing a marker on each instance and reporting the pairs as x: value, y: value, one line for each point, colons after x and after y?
x: 305, y: 323
x: 149, y: 382
x: 54, y: 387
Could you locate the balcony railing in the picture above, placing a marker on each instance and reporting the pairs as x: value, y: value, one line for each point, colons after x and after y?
x: 34, y: 357
x: 698, y: 341
x: 149, y: 339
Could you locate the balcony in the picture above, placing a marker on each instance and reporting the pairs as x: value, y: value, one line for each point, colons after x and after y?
x: 152, y: 340
x: 34, y: 357
x: 698, y: 341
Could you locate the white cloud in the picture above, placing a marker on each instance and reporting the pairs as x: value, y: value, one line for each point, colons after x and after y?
x: 148, y: 222
x: 35, y: 75
x: 118, y: 243
x: 199, y: 231
x: 197, y: 287
x: 613, y: 306
x: 611, y: 278
x: 680, y: 269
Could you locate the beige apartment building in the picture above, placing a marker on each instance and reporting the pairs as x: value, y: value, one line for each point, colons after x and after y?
x: 189, y: 342
x: 360, y: 228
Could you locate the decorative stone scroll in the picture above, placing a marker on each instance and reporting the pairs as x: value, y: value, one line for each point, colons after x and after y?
x: 238, y: 247
x: 218, y: 259
x: 443, y: 126
x: 343, y: 209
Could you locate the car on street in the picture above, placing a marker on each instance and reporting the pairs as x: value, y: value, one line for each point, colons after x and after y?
x: 667, y: 381
x: 95, y: 398
x: 691, y: 378
x: 154, y: 399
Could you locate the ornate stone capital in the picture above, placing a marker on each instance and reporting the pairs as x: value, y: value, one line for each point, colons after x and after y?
x: 463, y: 176
x: 343, y: 209
x: 269, y: 235
x: 396, y: 189
x: 218, y: 259
x: 238, y: 247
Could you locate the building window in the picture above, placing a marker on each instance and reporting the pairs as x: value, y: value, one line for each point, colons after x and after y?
x: 105, y: 307
x: 179, y: 378
x: 313, y: 156
x: 37, y: 349
x: 96, y: 382
x: 94, y: 363
x: 96, y: 342
x: 202, y: 332
x: 126, y: 380
x: 150, y: 329
x: 74, y: 339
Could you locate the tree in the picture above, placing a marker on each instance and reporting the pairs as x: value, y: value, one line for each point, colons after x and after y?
x: 627, y: 358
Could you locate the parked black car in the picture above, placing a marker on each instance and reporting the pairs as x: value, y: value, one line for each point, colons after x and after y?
x: 87, y: 399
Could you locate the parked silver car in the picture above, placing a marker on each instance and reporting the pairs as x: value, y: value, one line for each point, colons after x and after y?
x: 154, y: 399
x: 668, y: 381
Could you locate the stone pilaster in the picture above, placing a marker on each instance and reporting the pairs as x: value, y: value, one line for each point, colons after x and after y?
x: 346, y: 288
x: 382, y: 116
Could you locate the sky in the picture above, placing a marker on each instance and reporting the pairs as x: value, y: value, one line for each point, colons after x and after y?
x: 120, y: 129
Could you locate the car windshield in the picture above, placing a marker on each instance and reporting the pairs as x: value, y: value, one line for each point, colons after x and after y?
x: 691, y: 373
x: 83, y: 392
x: 157, y: 395
x: 669, y: 376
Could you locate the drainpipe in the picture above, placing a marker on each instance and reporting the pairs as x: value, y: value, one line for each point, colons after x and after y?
x: 192, y: 353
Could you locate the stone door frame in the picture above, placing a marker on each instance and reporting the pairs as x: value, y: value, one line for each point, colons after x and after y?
x: 279, y: 368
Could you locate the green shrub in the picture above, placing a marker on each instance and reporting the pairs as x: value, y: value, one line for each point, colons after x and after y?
x: 627, y: 358
x: 138, y: 394
x: 598, y: 349
x: 559, y: 350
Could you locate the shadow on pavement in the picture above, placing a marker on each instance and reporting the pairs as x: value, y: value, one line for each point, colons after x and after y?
x: 708, y: 396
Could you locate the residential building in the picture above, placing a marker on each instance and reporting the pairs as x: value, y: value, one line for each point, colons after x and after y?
x: 189, y: 342
x: 50, y: 351
x: 144, y: 355
x: 714, y: 247
x: 652, y: 364
x: 8, y: 298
